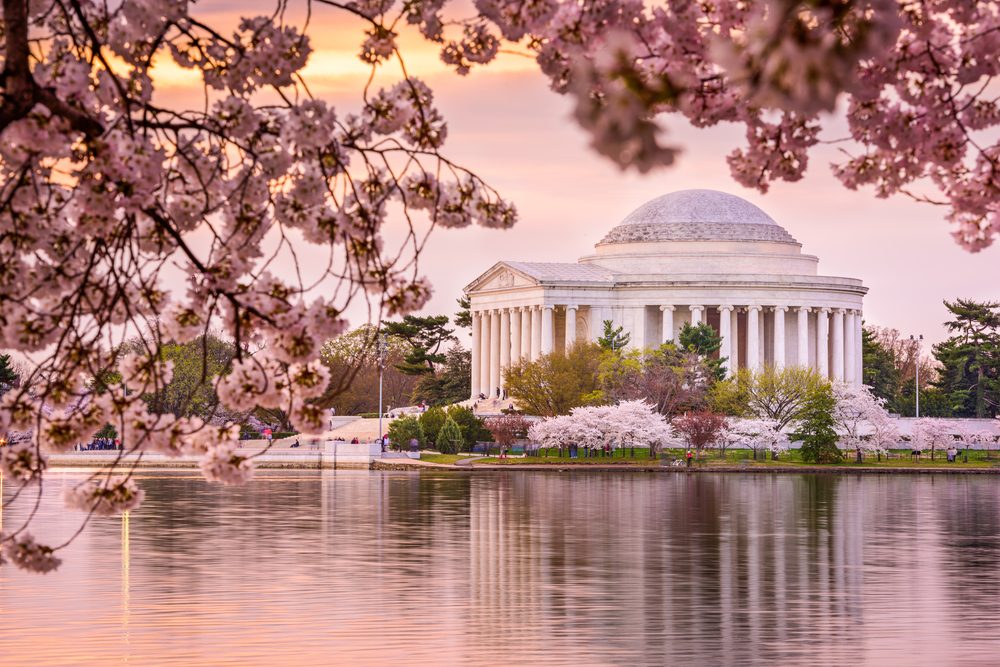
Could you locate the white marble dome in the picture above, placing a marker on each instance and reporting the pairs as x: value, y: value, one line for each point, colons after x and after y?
x: 697, y: 215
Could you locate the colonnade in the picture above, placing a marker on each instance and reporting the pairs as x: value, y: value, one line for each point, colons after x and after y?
x: 827, y: 339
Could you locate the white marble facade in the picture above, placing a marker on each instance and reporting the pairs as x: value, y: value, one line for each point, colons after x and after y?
x: 686, y: 257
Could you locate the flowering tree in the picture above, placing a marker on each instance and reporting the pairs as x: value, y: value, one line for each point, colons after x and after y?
x: 913, y: 78
x: 636, y: 423
x: 628, y: 424
x: 980, y: 439
x: 105, y: 184
x: 933, y: 434
x: 756, y: 434
x: 506, y: 429
x: 701, y: 430
x: 862, y: 421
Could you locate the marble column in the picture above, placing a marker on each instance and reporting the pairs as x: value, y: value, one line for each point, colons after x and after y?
x: 597, y: 322
x: 859, y: 369
x: 494, y: 352
x: 849, y: 365
x: 667, y: 317
x: 515, y: 335
x: 547, y: 330
x: 823, y: 342
x: 525, y: 332
x: 803, y: 356
x: 735, y: 349
x: 504, y: 344
x: 570, y: 327
x: 837, y: 345
x: 484, y: 340
x: 476, y: 352
x: 753, y: 338
x: 536, y: 332
x: 725, y: 332
x: 637, y: 340
x: 696, y: 314
x: 778, y: 353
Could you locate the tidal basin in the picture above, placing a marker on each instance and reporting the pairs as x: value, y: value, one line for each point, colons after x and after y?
x: 575, y: 568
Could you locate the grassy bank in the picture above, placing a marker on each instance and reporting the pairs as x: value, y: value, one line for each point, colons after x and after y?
x: 897, y: 459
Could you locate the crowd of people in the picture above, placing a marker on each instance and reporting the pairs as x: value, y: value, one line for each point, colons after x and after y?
x: 100, y: 444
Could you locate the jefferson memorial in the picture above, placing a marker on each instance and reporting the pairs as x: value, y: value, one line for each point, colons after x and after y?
x: 694, y: 256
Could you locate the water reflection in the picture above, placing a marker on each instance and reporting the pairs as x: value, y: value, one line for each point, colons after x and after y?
x: 550, y: 568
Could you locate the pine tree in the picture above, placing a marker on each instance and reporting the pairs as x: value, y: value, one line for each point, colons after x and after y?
x: 449, y: 438
x: 614, y: 338
x: 8, y: 376
x: 970, y: 359
x: 705, y: 342
x: 881, y: 368
x: 426, y: 336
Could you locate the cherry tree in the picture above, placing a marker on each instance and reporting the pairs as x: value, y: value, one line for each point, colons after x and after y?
x: 979, y: 439
x: 637, y: 423
x: 915, y: 80
x: 933, y: 434
x: 701, y: 430
x: 627, y: 424
x: 862, y: 421
x: 506, y: 430
x: 106, y: 186
x: 757, y: 434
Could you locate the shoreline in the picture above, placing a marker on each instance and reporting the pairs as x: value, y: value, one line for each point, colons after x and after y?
x: 316, y: 461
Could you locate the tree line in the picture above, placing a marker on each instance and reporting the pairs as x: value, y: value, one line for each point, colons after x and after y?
x: 960, y: 378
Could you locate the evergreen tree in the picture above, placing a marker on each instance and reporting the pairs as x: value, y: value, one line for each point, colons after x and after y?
x: 817, y: 431
x: 426, y: 336
x: 404, y: 429
x: 431, y: 422
x: 472, y: 427
x: 705, y: 342
x: 463, y: 318
x: 452, y: 383
x: 970, y: 359
x: 881, y: 368
x: 614, y: 338
x: 449, y: 438
x: 9, y: 377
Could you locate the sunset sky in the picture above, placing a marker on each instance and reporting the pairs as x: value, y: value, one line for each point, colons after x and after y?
x: 505, y: 124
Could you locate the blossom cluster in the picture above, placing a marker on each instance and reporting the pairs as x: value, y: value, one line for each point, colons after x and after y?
x: 756, y: 433
x: 627, y: 424
x: 105, y: 188
x: 863, y: 424
x: 916, y: 81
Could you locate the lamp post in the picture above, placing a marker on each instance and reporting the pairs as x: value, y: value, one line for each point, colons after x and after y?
x: 382, y: 350
x: 916, y: 365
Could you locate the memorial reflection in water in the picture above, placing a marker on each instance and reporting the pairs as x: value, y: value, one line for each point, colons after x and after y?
x: 546, y: 568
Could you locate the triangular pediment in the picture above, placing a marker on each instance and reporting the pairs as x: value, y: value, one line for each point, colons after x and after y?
x: 501, y: 276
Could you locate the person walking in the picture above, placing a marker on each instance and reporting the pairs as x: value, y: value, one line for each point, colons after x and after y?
x: 689, y: 455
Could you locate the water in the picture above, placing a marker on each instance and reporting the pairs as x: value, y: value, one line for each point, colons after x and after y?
x: 359, y: 568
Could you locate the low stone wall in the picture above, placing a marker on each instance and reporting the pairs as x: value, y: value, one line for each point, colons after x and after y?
x: 332, y: 454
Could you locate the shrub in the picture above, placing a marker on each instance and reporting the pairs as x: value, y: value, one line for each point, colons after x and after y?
x: 449, y: 439
x: 284, y: 434
x: 473, y: 430
x: 432, y: 420
x: 404, y: 429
